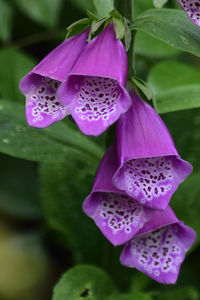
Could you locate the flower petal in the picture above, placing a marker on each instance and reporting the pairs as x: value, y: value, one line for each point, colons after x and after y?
x: 58, y: 63
x: 42, y: 105
x: 159, y: 253
x: 151, y: 181
x: 104, y: 56
x: 150, y: 168
x: 192, y: 9
x: 94, y: 102
x: 118, y: 216
x: 94, y: 92
x: 40, y: 85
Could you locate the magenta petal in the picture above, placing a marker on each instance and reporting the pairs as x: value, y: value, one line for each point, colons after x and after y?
x: 40, y: 86
x: 43, y: 107
x: 192, y: 9
x: 94, y: 92
x: 59, y: 62
x: 159, y: 253
x: 104, y: 56
x: 118, y: 216
x: 94, y: 102
x: 150, y: 167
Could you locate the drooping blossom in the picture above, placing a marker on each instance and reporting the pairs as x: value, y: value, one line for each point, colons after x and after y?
x: 94, y: 92
x: 159, y: 248
x: 192, y: 9
x: 41, y: 84
x: 116, y: 214
x: 149, y: 167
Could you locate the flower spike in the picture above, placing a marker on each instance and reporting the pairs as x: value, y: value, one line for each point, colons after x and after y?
x: 159, y: 248
x: 40, y: 85
x: 94, y: 92
x: 150, y: 168
x: 117, y: 215
x: 192, y: 9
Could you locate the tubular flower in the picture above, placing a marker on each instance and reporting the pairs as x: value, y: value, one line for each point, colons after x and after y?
x: 117, y: 215
x: 159, y: 248
x: 41, y: 84
x: 94, y: 91
x: 150, y: 168
x: 192, y: 9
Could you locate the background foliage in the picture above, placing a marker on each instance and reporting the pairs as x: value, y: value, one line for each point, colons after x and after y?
x: 46, y: 174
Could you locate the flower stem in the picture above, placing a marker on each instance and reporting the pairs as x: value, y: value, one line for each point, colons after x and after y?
x: 130, y: 10
x: 126, y: 9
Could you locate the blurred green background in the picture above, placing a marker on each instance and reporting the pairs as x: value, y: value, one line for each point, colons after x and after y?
x: 46, y: 174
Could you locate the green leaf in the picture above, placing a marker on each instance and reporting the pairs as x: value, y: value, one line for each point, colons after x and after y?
x: 14, y: 65
x: 159, y: 3
x: 53, y: 144
x: 103, y: 7
x: 140, y: 6
x: 184, y: 127
x: 78, y: 27
x: 139, y: 283
x: 149, y: 46
x: 185, y: 293
x: 172, y: 27
x: 186, y: 202
x: 119, y: 27
x: 6, y: 12
x: 19, y: 197
x: 127, y: 36
x: 83, y: 5
x: 96, y: 24
x: 176, y: 86
x: 132, y: 296
x: 143, y: 87
x: 64, y: 188
x: 179, y: 98
x: 83, y: 282
x: 45, y: 12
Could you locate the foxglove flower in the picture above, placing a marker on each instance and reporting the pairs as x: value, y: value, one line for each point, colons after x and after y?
x: 117, y: 215
x: 150, y: 168
x: 159, y: 248
x: 192, y: 9
x: 94, y: 92
x: 41, y: 84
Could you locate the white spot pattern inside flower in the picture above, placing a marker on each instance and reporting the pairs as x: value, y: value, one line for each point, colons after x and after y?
x: 192, y: 8
x: 158, y: 251
x: 97, y: 98
x: 45, y: 100
x: 120, y: 211
x: 149, y: 176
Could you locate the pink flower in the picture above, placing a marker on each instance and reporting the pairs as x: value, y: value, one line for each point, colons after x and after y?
x: 117, y: 215
x: 159, y: 248
x: 149, y: 167
x: 94, y: 91
x: 40, y: 85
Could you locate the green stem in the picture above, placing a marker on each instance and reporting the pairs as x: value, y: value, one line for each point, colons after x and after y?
x: 130, y: 10
x: 126, y: 9
x: 131, y: 56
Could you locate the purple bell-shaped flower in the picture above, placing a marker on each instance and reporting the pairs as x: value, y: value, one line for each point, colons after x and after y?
x: 40, y: 85
x: 149, y: 167
x: 159, y: 248
x: 117, y: 215
x: 94, y: 91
